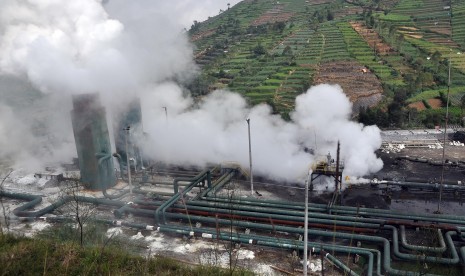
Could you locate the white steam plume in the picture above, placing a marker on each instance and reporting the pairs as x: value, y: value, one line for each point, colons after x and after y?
x: 26, y: 140
x: 324, y: 112
x: 75, y: 47
x: 216, y: 131
x: 128, y: 48
x: 69, y: 47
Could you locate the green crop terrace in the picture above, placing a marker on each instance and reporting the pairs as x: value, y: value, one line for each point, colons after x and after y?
x: 271, y: 51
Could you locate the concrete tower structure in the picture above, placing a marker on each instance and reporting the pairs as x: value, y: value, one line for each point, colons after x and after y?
x: 92, y: 142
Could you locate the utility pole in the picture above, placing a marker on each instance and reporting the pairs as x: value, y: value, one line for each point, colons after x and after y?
x: 166, y: 113
x: 306, y: 224
x: 250, y: 158
x: 338, y: 181
x: 444, y: 144
x: 127, y: 159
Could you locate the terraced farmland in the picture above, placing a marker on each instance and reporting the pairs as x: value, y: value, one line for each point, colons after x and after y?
x: 362, y: 88
x: 458, y: 22
x: 271, y: 51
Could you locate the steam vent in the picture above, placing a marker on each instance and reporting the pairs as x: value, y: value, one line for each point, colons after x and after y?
x: 131, y: 117
x: 92, y: 142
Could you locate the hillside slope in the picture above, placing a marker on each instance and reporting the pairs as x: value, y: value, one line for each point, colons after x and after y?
x: 271, y: 51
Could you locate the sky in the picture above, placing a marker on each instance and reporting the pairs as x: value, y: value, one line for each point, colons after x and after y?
x: 184, y: 12
x: 200, y: 10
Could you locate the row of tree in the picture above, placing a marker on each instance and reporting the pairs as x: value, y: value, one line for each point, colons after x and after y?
x: 398, y: 114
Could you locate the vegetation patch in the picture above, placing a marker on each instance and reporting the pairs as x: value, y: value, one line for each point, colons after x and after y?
x: 272, y: 51
x: 417, y: 105
x: 24, y: 256
x: 429, y: 94
x: 435, y: 103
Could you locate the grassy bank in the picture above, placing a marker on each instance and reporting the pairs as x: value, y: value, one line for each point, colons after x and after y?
x: 25, y: 256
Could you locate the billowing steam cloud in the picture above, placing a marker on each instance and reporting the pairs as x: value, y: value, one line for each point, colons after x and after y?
x: 324, y: 112
x: 216, y: 132
x: 75, y: 47
x: 34, y: 130
x: 14, y: 129
x: 64, y: 48
x: 124, y: 49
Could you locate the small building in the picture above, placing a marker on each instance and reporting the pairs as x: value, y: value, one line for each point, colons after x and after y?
x: 49, y: 175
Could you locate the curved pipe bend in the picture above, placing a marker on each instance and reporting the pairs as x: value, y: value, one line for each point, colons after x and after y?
x: 441, y: 249
x: 102, y: 158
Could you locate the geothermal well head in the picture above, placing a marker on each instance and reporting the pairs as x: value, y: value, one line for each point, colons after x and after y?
x: 129, y: 121
x: 92, y: 142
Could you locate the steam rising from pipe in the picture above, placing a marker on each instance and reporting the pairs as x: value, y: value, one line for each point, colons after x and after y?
x: 216, y: 131
x: 125, y: 49
x: 73, y: 47
x: 327, y: 110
